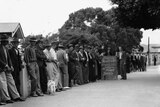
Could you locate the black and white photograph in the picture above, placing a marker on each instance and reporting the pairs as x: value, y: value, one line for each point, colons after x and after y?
x: 80, y: 53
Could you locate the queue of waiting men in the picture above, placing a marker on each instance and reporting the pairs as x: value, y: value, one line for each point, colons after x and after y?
x: 69, y: 66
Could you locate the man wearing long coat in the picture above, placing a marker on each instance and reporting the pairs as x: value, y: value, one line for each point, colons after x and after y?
x: 16, y: 61
x: 7, y: 84
x: 41, y: 58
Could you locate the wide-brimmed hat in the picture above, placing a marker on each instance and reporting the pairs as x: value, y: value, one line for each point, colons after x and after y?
x: 48, y: 45
x: 39, y: 41
x: 33, y: 39
x: 60, y: 46
x: 3, y: 37
x: 15, y: 40
x: 76, y: 46
x: 81, y: 47
x: 70, y: 45
x: 54, y: 42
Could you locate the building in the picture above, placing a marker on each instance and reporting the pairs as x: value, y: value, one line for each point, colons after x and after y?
x: 12, y: 29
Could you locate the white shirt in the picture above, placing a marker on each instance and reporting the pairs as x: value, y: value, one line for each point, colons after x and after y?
x: 120, y: 55
x: 53, y: 53
x: 48, y: 54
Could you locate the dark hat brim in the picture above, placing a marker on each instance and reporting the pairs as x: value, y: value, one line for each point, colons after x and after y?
x: 33, y: 40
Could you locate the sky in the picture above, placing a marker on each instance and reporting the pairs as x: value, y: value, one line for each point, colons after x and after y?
x: 45, y: 16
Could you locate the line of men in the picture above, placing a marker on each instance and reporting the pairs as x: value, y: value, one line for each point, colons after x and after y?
x: 73, y: 65
x: 67, y: 66
x: 138, y: 61
x: 84, y: 64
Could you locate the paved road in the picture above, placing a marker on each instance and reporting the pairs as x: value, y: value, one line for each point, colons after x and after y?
x: 142, y: 89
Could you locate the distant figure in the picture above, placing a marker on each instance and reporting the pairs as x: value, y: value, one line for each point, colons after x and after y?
x: 122, y: 63
x: 154, y: 60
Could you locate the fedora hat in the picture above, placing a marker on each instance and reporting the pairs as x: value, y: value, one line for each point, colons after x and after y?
x: 60, y: 46
x: 70, y: 45
x: 54, y: 42
x: 39, y: 41
x: 33, y: 39
x: 76, y: 46
x: 48, y: 45
x: 4, y: 37
x: 81, y: 47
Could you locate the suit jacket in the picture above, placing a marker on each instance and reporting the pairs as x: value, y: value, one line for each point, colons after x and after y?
x: 61, y: 57
x: 82, y: 58
x: 41, y: 57
x: 74, y: 57
x: 15, y: 59
x: 3, y: 60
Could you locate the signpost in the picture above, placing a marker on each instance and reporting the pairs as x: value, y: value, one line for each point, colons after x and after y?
x: 109, y: 68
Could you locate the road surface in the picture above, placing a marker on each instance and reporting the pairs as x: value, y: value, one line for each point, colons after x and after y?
x: 142, y: 89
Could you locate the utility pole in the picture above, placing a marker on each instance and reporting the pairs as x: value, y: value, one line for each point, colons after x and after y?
x: 149, y: 60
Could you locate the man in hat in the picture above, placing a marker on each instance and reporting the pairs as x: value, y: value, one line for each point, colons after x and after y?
x: 122, y: 63
x: 7, y: 84
x: 62, y: 59
x: 41, y: 58
x: 82, y: 64
x: 71, y: 64
x: 91, y: 63
x: 78, y: 68
x: 85, y: 52
x: 54, y: 56
x: 32, y: 68
x: 16, y: 61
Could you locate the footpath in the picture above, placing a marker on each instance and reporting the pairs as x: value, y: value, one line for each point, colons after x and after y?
x: 141, y: 89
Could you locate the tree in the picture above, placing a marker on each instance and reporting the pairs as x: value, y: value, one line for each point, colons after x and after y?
x: 138, y: 13
x: 98, y: 27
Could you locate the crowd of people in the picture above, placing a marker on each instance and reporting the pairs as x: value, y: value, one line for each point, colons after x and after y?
x: 67, y: 66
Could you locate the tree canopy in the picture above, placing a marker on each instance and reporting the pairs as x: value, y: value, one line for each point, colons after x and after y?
x: 138, y: 13
x: 96, y: 26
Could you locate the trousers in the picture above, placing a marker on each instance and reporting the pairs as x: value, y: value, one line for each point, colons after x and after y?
x: 8, y: 88
x: 64, y: 75
x: 33, y: 71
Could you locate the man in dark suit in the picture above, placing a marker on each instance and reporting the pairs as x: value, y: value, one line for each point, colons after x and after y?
x: 86, y: 66
x: 92, y: 70
x: 76, y: 69
x: 82, y: 63
x: 122, y: 63
x: 16, y: 61
x: 71, y: 65
x: 41, y: 58
x: 7, y: 83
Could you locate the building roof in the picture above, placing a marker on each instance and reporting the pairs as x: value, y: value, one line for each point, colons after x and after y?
x: 156, y: 47
x: 14, y: 29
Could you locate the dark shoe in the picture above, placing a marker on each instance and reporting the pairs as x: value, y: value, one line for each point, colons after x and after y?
x: 57, y: 90
x: 19, y: 99
x: 34, y: 95
x: 9, y: 101
x: 64, y: 89
x: 123, y: 79
x: 2, y: 103
x: 40, y: 94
